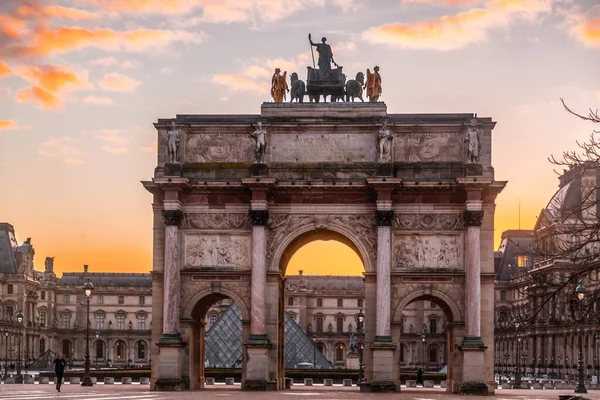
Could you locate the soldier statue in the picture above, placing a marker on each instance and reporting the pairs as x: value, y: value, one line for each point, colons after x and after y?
x: 173, y: 143
x: 260, y: 144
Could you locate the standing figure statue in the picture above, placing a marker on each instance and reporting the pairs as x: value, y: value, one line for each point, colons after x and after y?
x: 279, y: 86
x: 473, y: 140
x: 385, y: 144
x: 352, y: 346
x: 173, y: 143
x: 260, y: 144
x: 325, y: 57
x: 374, y: 84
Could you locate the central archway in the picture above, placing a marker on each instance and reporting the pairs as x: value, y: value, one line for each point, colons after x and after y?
x: 328, y: 319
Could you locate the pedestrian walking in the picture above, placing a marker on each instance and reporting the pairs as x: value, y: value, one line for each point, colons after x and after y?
x: 420, y: 377
x: 59, y: 369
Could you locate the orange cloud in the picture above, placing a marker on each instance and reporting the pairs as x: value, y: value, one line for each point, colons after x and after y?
x: 459, y: 30
x: 12, y: 125
x: 4, y: 69
x: 588, y: 33
x: 50, y: 83
x: 115, y: 82
x: 447, y: 2
x: 72, y: 14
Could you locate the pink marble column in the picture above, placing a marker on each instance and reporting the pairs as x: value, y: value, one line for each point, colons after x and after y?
x: 259, y: 272
x: 384, y: 220
x: 172, y: 220
x: 473, y: 220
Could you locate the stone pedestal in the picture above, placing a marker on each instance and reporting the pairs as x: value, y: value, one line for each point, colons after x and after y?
x: 169, y: 368
x: 352, y: 361
x: 473, y: 367
x: 257, y: 366
x: 386, y: 169
x: 383, y: 366
x: 259, y: 170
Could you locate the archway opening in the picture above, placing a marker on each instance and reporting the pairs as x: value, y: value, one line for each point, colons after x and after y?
x: 323, y: 294
x: 426, y: 337
x: 216, y: 350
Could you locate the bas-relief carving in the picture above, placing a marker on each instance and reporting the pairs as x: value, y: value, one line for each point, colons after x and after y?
x: 219, y: 250
x: 428, y: 251
x: 323, y: 147
x: 428, y: 147
x: 216, y: 221
x: 281, y: 225
x: 448, y: 221
x: 217, y: 148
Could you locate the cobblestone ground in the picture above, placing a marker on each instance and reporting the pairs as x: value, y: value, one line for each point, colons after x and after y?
x: 137, y: 392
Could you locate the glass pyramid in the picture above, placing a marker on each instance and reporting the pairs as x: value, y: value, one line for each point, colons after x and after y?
x: 224, y: 343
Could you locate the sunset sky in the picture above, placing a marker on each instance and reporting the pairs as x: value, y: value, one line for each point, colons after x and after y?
x: 82, y: 81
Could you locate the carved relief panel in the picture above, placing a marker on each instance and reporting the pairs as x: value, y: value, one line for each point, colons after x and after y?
x: 226, y: 251
x: 429, y: 147
x: 218, y: 148
x: 435, y: 251
x: 323, y: 147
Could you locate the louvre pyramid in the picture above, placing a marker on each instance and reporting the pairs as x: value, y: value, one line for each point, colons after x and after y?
x: 224, y: 343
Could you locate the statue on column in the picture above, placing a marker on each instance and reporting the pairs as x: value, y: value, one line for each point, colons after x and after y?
x: 374, y: 84
x: 473, y: 141
x: 260, y: 144
x: 385, y: 144
x: 279, y: 86
x: 173, y: 143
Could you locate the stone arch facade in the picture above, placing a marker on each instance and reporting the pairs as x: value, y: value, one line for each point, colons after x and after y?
x: 229, y: 213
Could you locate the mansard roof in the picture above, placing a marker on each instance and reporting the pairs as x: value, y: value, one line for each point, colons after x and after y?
x: 99, y: 280
x: 514, y: 243
x: 8, y: 262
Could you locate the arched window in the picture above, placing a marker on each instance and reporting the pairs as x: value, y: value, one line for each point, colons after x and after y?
x: 290, y: 301
x: 120, y: 350
x: 99, y: 349
x: 42, y: 346
x: 66, y: 348
x: 339, y: 352
x: 141, y: 350
x: 433, y: 353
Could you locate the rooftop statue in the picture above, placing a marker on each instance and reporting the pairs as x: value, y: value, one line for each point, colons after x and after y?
x: 279, y: 85
x: 385, y: 144
x: 473, y: 140
x: 260, y: 144
x: 374, y: 84
x: 325, y: 57
x: 173, y: 143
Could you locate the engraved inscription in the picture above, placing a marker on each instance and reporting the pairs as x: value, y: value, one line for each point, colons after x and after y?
x: 326, y: 147
x: 428, y: 251
x: 223, y: 251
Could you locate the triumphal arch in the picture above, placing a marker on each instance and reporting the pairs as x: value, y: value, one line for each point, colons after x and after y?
x: 236, y: 195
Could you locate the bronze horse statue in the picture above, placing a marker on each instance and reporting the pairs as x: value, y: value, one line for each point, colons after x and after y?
x: 298, y: 88
x: 354, y: 87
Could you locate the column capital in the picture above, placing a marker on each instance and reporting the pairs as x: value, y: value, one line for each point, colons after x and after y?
x: 472, y: 217
x: 172, y: 217
x: 259, y: 217
x: 384, y: 217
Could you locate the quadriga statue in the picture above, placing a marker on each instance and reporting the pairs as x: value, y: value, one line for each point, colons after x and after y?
x: 354, y: 87
x: 298, y: 88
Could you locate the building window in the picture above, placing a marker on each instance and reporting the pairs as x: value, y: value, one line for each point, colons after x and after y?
x: 121, y: 299
x: 524, y: 261
x: 10, y: 289
x: 319, y: 302
x: 43, y: 295
x: 290, y: 301
x: 42, y: 318
x: 9, y: 312
x: 66, y: 320
x: 503, y: 295
x: 99, y: 349
x: 319, y: 324
x: 100, y: 321
x: 120, y: 349
x: 120, y: 321
x: 141, y: 350
x: 67, y: 299
x: 339, y: 321
x: 340, y: 302
x: 433, y: 325
x: 339, y: 352
x: 100, y: 299
x: 141, y: 322
x: 402, y: 353
x: 433, y: 353
x: 66, y: 348
x: 321, y: 347
x: 212, y: 318
x: 142, y: 300
x: 360, y: 303
x: 42, y: 346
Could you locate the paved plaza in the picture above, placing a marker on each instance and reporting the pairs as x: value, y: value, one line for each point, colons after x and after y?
x: 137, y: 392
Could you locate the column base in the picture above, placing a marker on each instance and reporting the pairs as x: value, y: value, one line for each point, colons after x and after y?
x: 383, y: 365
x: 474, y: 342
x: 259, y: 385
x: 473, y: 389
x: 257, y: 366
x: 259, y: 340
x: 170, y: 339
x: 379, y: 387
x: 169, y: 385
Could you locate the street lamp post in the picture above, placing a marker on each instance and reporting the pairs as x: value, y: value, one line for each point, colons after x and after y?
x: 506, y: 356
x: 567, y: 368
x: 360, y: 320
x: 516, y: 323
x: 580, y: 291
x: 96, y: 350
x: 559, y: 365
x: 314, y: 339
x: 88, y: 288
x: 19, y: 378
x: 423, y: 341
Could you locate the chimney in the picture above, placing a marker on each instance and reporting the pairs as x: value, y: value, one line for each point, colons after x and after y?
x: 85, y: 269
